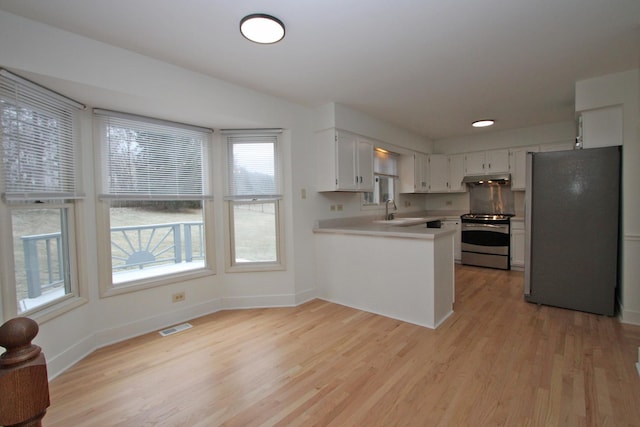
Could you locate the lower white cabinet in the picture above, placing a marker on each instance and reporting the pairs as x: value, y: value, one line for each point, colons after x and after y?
x: 457, y: 247
x: 517, y: 244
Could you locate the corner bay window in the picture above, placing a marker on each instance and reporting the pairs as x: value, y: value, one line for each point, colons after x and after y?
x: 253, y: 196
x: 39, y: 196
x: 155, y: 199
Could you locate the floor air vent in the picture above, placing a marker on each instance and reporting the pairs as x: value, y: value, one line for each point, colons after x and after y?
x: 175, y: 329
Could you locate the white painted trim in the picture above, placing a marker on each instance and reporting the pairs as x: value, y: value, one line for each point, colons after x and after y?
x: 367, y: 309
x: 630, y: 317
x: 260, y: 301
x: 306, y: 296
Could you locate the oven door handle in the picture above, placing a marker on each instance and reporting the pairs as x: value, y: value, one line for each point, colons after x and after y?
x: 481, y: 226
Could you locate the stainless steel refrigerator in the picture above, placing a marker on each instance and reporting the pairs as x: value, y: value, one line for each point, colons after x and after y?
x: 572, y: 210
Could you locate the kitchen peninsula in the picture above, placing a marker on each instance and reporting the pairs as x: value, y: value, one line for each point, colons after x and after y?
x: 403, y: 272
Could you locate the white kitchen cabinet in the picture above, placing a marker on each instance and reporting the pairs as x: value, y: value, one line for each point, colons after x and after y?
x: 446, y: 173
x: 344, y: 160
x: 438, y: 181
x: 456, y: 173
x: 454, y: 223
x: 601, y: 127
x: 517, y: 244
x: 414, y: 173
x: 497, y: 161
x: 474, y: 163
x: 518, y: 166
x: 484, y: 162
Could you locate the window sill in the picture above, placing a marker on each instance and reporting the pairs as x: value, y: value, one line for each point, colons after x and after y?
x: 166, y: 276
x: 254, y: 267
x: 45, y: 314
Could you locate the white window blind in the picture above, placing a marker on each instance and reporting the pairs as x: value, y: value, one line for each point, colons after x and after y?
x: 385, y: 163
x: 253, y: 166
x: 152, y: 159
x: 38, y: 153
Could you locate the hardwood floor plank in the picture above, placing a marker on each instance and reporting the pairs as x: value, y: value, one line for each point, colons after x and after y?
x: 496, y: 361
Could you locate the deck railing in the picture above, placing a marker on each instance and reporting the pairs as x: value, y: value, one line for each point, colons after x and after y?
x: 132, y: 247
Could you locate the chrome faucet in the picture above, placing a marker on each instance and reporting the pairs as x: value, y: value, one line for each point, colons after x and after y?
x: 389, y: 216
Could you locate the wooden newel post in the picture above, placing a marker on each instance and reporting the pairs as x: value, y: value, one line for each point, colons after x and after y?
x: 24, y: 387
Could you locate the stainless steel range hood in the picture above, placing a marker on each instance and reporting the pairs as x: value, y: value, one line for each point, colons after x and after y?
x: 499, y: 177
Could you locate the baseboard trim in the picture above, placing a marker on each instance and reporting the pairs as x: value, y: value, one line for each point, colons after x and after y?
x: 306, y: 296
x: 261, y: 301
x: 630, y: 317
x: 63, y: 361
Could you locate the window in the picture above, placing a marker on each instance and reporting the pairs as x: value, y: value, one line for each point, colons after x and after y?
x: 155, y: 201
x: 39, y: 198
x: 385, y: 172
x: 253, y: 197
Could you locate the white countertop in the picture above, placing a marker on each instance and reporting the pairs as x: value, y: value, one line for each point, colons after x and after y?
x: 371, y: 228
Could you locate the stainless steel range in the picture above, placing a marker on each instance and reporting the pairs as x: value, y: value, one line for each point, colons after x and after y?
x: 486, y: 240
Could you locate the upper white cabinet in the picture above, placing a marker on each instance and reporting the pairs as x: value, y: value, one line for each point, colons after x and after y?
x: 601, y: 127
x: 431, y: 173
x: 446, y: 173
x: 414, y: 173
x: 518, y: 166
x: 344, y: 160
x: 484, y: 162
x: 438, y: 173
x: 456, y: 173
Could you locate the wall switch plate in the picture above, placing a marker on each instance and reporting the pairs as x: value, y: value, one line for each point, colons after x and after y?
x: 339, y: 207
x: 332, y: 208
x: 303, y: 193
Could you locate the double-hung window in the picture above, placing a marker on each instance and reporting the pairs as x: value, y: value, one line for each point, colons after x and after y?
x: 155, y: 201
x: 40, y: 193
x: 385, y: 173
x: 253, y: 200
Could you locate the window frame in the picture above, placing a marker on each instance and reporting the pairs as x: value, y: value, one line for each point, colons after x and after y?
x: 70, y: 300
x: 107, y: 287
x: 379, y: 173
x: 231, y: 266
x: 67, y: 196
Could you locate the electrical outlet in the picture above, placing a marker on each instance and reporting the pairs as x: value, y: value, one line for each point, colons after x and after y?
x: 448, y: 203
x: 338, y: 207
x: 407, y: 203
x: 303, y: 193
x: 177, y: 297
x: 332, y: 208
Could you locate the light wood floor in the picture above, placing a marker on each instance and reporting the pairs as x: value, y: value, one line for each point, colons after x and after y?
x: 497, y: 361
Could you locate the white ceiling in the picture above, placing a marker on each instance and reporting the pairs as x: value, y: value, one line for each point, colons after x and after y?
x: 429, y: 66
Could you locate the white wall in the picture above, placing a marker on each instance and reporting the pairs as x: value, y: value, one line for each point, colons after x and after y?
x: 107, y: 77
x: 492, y: 140
x: 623, y: 89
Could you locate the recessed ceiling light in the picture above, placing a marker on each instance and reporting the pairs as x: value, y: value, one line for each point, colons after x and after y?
x: 262, y: 28
x: 482, y: 123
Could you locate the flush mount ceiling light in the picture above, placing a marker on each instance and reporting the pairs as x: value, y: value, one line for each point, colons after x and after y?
x: 482, y: 123
x: 262, y: 28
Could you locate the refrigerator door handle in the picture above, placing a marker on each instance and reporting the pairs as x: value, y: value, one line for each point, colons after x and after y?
x: 527, y: 223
